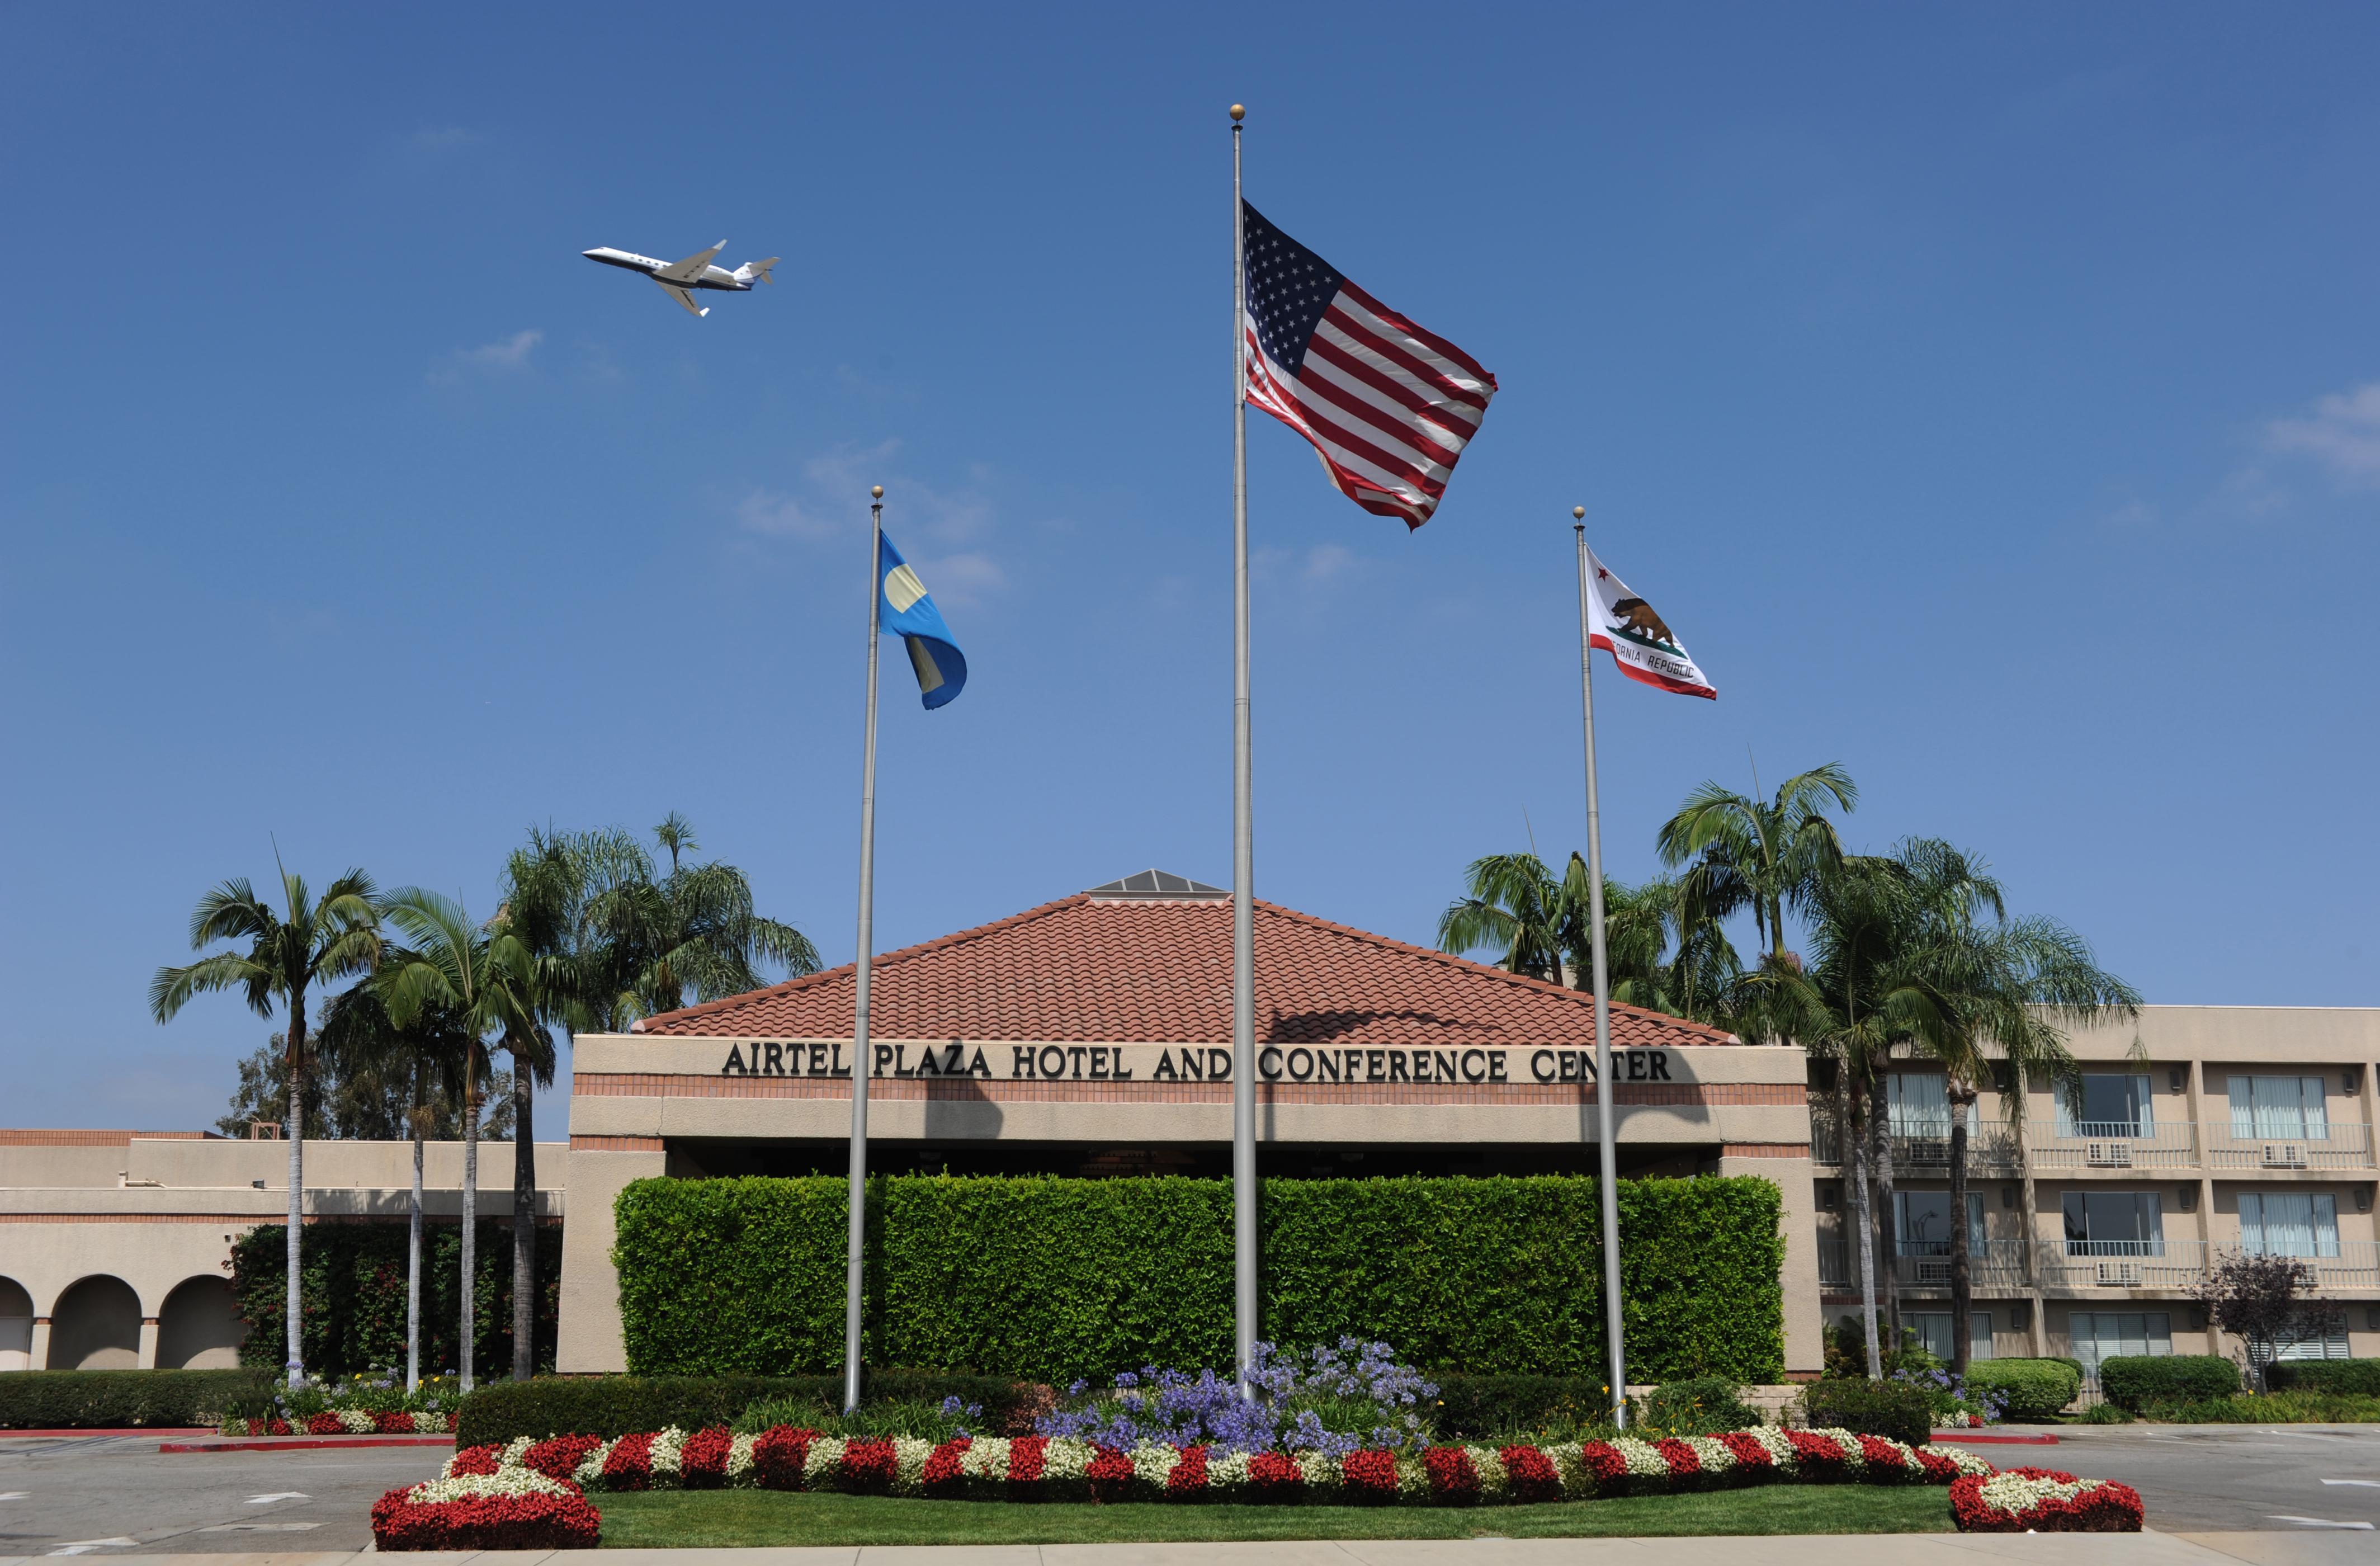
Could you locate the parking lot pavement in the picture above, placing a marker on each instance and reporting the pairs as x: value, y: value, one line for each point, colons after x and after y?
x: 2193, y: 1478
x: 119, y: 1495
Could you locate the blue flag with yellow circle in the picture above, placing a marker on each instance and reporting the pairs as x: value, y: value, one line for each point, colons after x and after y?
x: 904, y: 609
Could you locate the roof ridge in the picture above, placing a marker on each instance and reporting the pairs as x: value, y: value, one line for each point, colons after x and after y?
x: 1524, y: 980
x: 883, y: 959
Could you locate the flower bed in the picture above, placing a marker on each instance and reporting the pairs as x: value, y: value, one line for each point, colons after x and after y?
x: 1034, y: 1468
x: 374, y: 1404
x: 348, y: 1422
x: 2043, y: 1500
x: 486, y: 1506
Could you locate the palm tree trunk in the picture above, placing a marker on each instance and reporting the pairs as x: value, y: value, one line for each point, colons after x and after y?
x: 1962, y: 1301
x: 524, y: 1226
x: 413, y: 1251
x: 471, y: 1214
x: 1880, y: 1127
x: 1853, y: 1138
x: 295, y: 1132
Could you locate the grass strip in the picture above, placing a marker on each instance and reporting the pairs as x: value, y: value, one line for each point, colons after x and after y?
x: 719, y: 1519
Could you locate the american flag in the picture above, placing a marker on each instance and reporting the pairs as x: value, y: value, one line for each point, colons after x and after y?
x: 1388, y: 406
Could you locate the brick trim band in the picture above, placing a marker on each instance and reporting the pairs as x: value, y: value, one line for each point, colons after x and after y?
x: 657, y: 1084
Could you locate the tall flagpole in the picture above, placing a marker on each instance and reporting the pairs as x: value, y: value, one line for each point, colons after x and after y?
x: 854, y: 1259
x: 1607, y: 1155
x: 1244, y: 853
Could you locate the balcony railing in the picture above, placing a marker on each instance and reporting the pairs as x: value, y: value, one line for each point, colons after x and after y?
x: 1990, y: 1149
x: 2116, y: 1144
x: 2116, y: 1147
x: 2089, y: 1265
x: 2343, y: 1144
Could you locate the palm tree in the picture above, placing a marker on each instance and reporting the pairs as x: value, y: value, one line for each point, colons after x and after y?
x: 1767, y: 858
x: 485, y: 979
x: 360, y: 1038
x: 694, y: 928
x: 307, y: 943
x: 1511, y: 902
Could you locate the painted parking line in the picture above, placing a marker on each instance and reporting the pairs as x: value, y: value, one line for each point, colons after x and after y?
x: 14, y: 1495
x: 2367, y: 1484
x: 278, y: 1494
x: 84, y: 1546
x: 2320, y: 1523
x: 259, y: 1527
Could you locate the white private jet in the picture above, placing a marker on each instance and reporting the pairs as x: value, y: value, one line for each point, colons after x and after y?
x: 680, y: 278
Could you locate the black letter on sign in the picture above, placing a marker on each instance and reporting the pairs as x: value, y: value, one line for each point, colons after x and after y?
x: 776, y: 1060
x: 1023, y: 1066
x: 1269, y: 1072
x: 735, y: 1066
x: 1661, y: 1065
x: 1541, y: 1065
x: 1164, y: 1072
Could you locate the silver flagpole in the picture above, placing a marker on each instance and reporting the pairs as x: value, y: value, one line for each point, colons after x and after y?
x: 1244, y: 853
x: 1607, y: 1154
x: 854, y: 1259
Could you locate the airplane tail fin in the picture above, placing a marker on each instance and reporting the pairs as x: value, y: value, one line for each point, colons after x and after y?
x: 756, y: 272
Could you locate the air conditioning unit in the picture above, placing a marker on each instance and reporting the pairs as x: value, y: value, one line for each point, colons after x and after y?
x: 2285, y: 1155
x: 2119, y: 1274
x: 2109, y: 1155
x: 1932, y: 1273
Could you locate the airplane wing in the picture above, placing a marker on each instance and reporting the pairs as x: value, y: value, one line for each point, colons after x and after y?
x: 691, y: 268
x: 682, y: 297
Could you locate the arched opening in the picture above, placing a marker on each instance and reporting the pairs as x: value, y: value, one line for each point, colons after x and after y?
x: 200, y: 1328
x: 16, y: 1326
x: 96, y: 1325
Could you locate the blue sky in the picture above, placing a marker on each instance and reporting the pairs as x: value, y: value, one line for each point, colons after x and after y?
x: 1991, y: 399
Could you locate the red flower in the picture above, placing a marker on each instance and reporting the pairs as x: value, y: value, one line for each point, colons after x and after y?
x: 1533, y: 1474
x: 479, y: 1460
x: 1187, y: 1477
x: 277, y: 1427
x: 1753, y: 1460
x: 2105, y: 1508
x: 533, y: 1522
x: 325, y: 1424
x: 779, y: 1455
x: 393, y: 1421
x: 629, y: 1464
x: 941, y: 1476
x: 1274, y: 1475
x: 1602, y: 1459
x: 1026, y: 1455
x: 1368, y: 1475
x: 1110, y: 1473
x: 1940, y: 1468
x: 868, y: 1466
x: 1453, y: 1481
x: 702, y: 1461
x: 1685, y: 1462
x: 559, y: 1458
x: 1822, y: 1458
x: 1884, y: 1464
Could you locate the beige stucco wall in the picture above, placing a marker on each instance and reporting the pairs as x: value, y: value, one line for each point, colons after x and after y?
x: 590, y: 1339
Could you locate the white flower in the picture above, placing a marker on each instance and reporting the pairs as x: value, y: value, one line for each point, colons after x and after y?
x: 1495, y: 1484
x: 1968, y: 1461
x: 1066, y: 1458
x: 589, y: 1472
x: 356, y: 1422
x: 514, y: 1451
x: 2015, y: 1494
x: 1321, y: 1472
x: 1227, y: 1473
x: 666, y: 1458
x: 507, y: 1482
x: 986, y: 1458
x: 1151, y: 1461
x: 1712, y: 1452
x: 824, y: 1462
x: 740, y: 1469
x: 1644, y: 1460
x: 909, y: 1456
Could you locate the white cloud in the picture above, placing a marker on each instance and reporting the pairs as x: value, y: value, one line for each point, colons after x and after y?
x: 2342, y: 434
x: 963, y: 580
x: 505, y: 356
x: 832, y: 501
x: 773, y: 515
x: 1326, y: 560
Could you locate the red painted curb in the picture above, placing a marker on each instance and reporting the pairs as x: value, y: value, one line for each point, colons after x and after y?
x: 1962, y: 1440
x: 113, y: 1430
x: 295, y: 1443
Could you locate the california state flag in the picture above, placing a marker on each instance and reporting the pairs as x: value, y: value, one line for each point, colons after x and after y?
x: 1639, y: 640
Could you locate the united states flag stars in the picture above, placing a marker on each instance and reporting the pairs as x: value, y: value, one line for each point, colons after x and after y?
x: 1387, y: 405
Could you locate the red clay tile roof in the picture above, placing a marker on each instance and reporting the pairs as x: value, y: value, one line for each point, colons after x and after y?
x: 1160, y: 972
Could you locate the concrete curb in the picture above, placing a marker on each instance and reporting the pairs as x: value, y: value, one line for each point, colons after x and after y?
x: 300, y: 1443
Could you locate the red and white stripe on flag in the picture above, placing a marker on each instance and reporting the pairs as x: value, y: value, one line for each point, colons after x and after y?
x: 1386, y: 404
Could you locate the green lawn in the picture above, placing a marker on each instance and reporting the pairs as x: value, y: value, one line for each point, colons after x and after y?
x: 719, y: 1518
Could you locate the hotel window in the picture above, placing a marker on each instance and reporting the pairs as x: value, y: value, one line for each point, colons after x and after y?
x: 1921, y: 1223
x: 2289, y: 1223
x: 2103, y: 1334
x: 1933, y: 1330
x: 2113, y: 1105
x: 1917, y: 1104
x: 2114, y: 1223
x: 2284, y: 1108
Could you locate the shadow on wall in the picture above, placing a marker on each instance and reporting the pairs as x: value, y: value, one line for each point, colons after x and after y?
x: 16, y: 1326
x: 96, y: 1325
x: 200, y: 1328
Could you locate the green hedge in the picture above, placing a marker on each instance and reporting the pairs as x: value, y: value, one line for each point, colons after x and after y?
x: 2131, y: 1381
x: 1870, y: 1408
x: 351, y: 1295
x: 58, y: 1399
x: 1474, y: 1408
x: 2353, y: 1377
x: 1042, y: 1279
x: 2034, y: 1388
x: 620, y: 1405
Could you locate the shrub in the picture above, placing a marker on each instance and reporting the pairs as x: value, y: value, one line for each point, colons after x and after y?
x: 620, y: 1405
x: 1518, y: 1407
x: 1869, y: 1408
x: 2031, y: 1389
x: 2130, y: 1380
x: 59, y: 1400
x: 1704, y: 1405
x: 2353, y: 1377
x: 1052, y: 1279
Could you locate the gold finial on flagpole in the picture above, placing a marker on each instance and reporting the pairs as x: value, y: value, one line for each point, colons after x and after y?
x: 1239, y: 112
x: 1577, y: 512
x: 877, y: 492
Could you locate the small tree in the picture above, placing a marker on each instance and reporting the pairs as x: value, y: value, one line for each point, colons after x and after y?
x: 2260, y: 1300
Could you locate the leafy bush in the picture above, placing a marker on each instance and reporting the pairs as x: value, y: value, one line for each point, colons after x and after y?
x: 2104, y: 1414
x: 2131, y: 1380
x: 1704, y: 1405
x: 60, y: 1400
x: 2355, y: 1378
x: 1519, y: 1408
x: 2270, y: 1408
x: 1054, y: 1280
x: 620, y: 1405
x: 2030, y: 1389
x: 1869, y: 1408
x: 351, y: 1295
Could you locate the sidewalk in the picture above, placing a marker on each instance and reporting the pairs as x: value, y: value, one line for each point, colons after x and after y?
x: 1788, y: 1549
